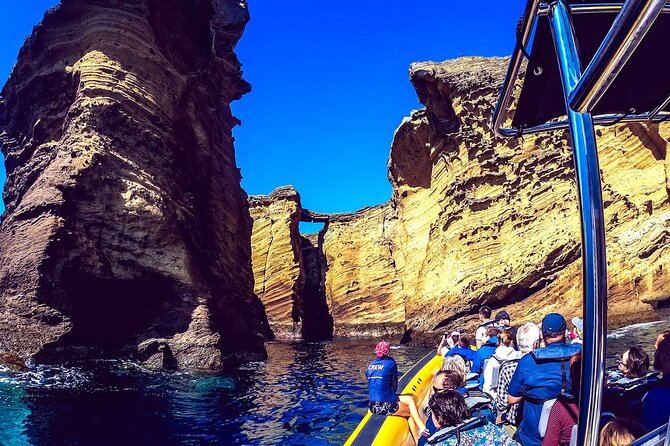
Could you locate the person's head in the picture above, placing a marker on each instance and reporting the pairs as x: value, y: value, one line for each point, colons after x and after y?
x: 464, y: 342
x: 553, y: 328
x: 634, y: 363
x: 484, y: 313
x: 491, y: 332
x: 447, y: 380
x: 578, y: 327
x: 383, y: 348
x: 662, y: 354
x: 660, y: 337
x: 455, y: 363
x: 575, y: 373
x: 505, y: 338
x: 620, y: 432
x: 528, y: 337
x: 503, y: 318
x: 453, y: 338
x: 449, y: 409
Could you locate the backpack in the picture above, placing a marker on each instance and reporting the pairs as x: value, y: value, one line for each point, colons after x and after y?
x: 495, y: 372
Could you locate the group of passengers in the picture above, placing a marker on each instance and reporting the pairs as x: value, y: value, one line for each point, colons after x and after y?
x: 521, y: 386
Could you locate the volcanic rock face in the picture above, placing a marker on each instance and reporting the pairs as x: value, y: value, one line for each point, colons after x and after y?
x: 487, y: 220
x: 277, y: 259
x: 289, y: 269
x: 126, y: 230
x: 363, y: 288
x: 476, y: 219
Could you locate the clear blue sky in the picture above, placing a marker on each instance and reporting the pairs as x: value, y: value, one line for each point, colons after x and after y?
x: 329, y: 84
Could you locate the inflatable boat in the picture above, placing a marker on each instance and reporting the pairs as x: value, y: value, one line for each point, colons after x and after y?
x: 381, y: 430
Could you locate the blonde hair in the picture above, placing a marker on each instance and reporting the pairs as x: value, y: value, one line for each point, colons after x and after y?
x: 616, y: 433
x: 456, y: 364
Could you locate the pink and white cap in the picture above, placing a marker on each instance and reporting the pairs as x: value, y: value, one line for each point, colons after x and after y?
x: 382, y: 349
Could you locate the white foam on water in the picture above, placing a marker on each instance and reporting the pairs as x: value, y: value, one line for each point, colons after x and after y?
x: 54, y: 377
x: 624, y: 331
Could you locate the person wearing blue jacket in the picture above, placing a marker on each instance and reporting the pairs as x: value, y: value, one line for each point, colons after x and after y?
x: 656, y: 403
x: 484, y: 353
x: 462, y: 349
x: 542, y: 375
x: 382, y: 375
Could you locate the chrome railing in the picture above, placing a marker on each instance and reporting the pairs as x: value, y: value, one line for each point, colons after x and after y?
x: 534, y: 10
x: 594, y: 266
x: 619, y: 44
x: 657, y: 437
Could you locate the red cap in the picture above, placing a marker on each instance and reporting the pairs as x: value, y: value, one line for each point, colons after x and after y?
x: 382, y: 349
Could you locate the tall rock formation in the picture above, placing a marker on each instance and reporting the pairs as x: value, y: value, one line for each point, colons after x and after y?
x: 477, y: 219
x: 277, y: 259
x: 489, y: 220
x: 288, y: 267
x: 126, y: 231
x: 363, y: 289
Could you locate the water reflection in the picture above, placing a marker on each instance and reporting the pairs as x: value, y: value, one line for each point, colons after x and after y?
x: 13, y: 415
x: 305, y: 393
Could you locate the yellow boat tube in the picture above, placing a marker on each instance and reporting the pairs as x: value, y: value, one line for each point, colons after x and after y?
x: 381, y: 430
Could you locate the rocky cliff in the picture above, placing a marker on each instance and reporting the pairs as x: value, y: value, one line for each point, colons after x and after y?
x: 487, y: 220
x: 363, y: 288
x: 126, y: 231
x: 477, y: 219
x: 289, y: 268
x: 277, y: 259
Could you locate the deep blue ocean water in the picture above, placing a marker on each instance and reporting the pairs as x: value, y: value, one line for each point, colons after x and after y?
x: 304, y: 394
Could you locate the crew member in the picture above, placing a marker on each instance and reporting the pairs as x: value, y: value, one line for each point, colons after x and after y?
x: 382, y: 375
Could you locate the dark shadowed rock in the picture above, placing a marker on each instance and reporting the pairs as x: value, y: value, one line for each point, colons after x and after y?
x: 125, y: 219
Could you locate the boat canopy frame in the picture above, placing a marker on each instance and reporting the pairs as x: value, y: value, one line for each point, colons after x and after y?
x: 583, y: 95
x: 536, y: 9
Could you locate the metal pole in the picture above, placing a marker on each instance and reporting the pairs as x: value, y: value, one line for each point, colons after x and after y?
x: 629, y: 28
x: 660, y: 108
x: 501, y: 110
x: 594, y: 269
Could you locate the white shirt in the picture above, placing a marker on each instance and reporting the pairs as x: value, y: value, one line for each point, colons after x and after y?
x: 502, y: 353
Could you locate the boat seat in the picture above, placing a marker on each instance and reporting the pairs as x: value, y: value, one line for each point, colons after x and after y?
x: 642, y: 85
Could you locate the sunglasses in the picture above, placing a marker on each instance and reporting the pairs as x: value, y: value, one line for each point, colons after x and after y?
x: 442, y: 390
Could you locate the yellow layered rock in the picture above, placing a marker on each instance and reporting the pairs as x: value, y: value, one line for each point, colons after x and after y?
x: 477, y: 219
x: 362, y: 287
x: 487, y: 220
x: 276, y: 259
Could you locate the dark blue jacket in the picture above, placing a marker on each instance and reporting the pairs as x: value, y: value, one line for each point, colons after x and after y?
x: 481, y: 355
x: 540, y: 377
x: 656, y: 404
x: 465, y: 352
x: 382, y: 377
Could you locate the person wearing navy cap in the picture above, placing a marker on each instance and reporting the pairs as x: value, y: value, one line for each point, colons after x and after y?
x: 541, y: 377
x: 503, y: 323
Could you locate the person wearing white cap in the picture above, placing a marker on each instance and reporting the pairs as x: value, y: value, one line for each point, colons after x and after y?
x: 577, y: 332
x: 448, y: 342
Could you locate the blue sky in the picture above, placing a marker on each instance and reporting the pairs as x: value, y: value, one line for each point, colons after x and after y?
x: 329, y: 84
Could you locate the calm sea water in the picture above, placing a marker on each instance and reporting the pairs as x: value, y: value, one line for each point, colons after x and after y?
x: 304, y: 394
